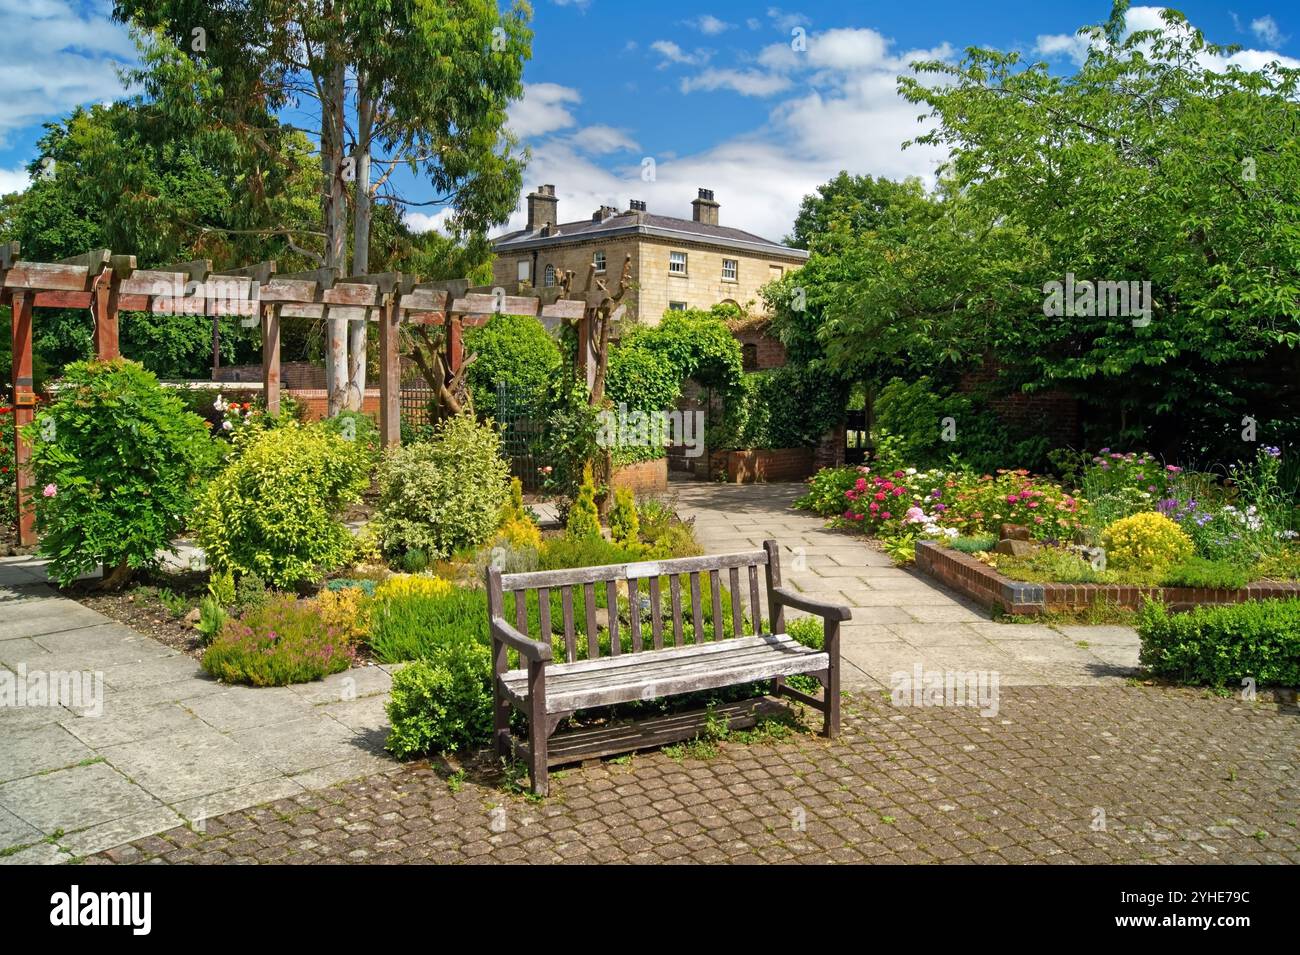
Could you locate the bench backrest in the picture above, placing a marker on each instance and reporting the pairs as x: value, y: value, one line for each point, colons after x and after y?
x: 690, y: 582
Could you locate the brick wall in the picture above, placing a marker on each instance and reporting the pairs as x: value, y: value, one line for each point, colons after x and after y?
x: 315, y: 401
x: 1053, y: 413
x: 644, y: 477
x: 767, y: 350
x: 760, y: 466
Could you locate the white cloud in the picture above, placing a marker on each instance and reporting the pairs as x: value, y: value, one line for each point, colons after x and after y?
x: 428, y: 222
x: 542, y: 109
x: 672, y: 53
x: 744, y: 82
x: 1266, y: 29
x: 604, y: 139
x: 785, y: 22
x: 54, y: 57
x: 753, y: 23
x: 1059, y: 44
x: 580, y: 4
x: 14, y: 180
x: 708, y: 24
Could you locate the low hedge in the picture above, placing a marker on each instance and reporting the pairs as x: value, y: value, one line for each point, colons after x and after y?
x: 1221, y: 645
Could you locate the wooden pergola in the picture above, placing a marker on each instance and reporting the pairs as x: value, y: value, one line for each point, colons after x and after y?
x: 109, y: 284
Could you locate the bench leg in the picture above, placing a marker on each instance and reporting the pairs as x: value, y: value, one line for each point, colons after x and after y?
x: 500, y: 705
x: 538, y: 730
x: 831, y: 694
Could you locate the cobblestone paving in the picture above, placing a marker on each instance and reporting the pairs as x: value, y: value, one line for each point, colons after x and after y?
x: 1099, y: 774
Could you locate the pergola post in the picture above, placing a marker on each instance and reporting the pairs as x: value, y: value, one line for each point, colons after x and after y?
x: 104, y: 304
x: 455, y: 345
x: 24, y: 412
x: 271, y: 358
x: 390, y: 373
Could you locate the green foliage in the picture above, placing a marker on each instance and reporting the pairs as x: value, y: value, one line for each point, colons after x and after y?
x: 8, y: 472
x: 411, y: 626
x: 442, y: 703
x: 789, y: 407
x: 571, y: 437
x: 515, y: 349
x: 282, y: 642
x: 973, y: 545
x: 1259, y: 640
x: 212, y: 617
x: 568, y: 551
x: 584, y: 519
x: 1058, y: 565
x: 826, y: 488
x: 272, y: 510
x: 694, y: 344
x: 1199, y: 571
x: 250, y: 593
x: 445, y: 494
x: 810, y: 631
x: 415, y: 560
x: 624, y: 525
x: 117, y: 464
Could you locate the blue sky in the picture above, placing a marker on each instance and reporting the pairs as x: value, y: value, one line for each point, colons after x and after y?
x: 712, y: 93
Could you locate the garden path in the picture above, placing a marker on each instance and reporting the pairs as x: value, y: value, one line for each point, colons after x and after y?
x: 901, y: 618
x: 167, y: 745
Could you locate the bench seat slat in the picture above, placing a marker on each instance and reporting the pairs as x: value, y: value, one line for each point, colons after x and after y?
x: 592, y: 575
x: 588, y: 683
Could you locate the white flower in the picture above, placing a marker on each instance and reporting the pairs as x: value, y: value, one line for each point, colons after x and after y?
x: 911, y: 471
x: 226, y: 426
x: 220, y: 403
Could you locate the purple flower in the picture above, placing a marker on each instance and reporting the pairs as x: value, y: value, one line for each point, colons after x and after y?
x: 1273, y: 452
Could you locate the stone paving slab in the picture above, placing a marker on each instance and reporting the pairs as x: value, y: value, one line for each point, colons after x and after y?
x: 908, y: 617
x: 165, y: 744
x: 1112, y: 775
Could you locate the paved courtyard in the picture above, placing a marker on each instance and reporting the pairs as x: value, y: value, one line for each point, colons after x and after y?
x: 901, y: 618
x: 166, y: 745
x: 1059, y: 774
x: 1070, y: 763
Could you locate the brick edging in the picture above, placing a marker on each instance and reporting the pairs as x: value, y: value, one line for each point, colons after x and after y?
x: 985, y: 585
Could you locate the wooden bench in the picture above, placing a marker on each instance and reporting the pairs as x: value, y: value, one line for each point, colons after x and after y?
x: 660, y: 662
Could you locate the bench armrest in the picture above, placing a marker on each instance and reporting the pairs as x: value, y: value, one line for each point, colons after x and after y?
x: 828, y: 611
x: 529, y: 649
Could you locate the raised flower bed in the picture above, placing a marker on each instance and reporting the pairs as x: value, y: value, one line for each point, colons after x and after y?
x: 985, y: 585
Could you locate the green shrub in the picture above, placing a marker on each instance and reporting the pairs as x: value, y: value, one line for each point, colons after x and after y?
x: 415, y: 560
x: 272, y: 510
x: 117, y: 464
x: 641, y: 378
x: 678, y: 541
x: 810, y: 631
x: 1201, y: 572
x: 1145, y: 540
x: 8, y: 467
x: 211, y: 618
x: 443, y: 495
x: 250, y: 593
x: 562, y: 552
x: 787, y: 407
x: 973, y: 545
x: 442, y: 703
x: 1222, y: 645
x: 825, y: 496
x: 515, y: 349
x: 282, y: 642
x: 409, y: 626
x: 624, y: 525
x: 655, y: 517
x: 584, y: 519
x: 367, y: 587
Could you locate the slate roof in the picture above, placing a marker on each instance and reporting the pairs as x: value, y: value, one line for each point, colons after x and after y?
x: 646, y: 223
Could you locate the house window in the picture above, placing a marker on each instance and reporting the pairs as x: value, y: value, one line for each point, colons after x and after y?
x: 729, y: 270
x: 676, y: 263
x: 749, y: 356
x: 774, y: 272
x: 524, y: 272
x: 598, y: 260
x: 677, y: 307
x: 549, y: 276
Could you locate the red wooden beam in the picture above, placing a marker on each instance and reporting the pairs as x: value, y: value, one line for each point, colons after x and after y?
x: 24, y: 411
x: 390, y: 375
x: 105, y: 308
x: 271, y: 358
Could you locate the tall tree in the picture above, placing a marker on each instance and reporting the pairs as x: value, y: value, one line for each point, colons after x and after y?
x: 379, y: 85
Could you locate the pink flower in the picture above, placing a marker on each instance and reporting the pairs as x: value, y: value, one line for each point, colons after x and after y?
x: 50, y: 490
x: 884, y: 516
x: 880, y: 495
x: 914, y: 515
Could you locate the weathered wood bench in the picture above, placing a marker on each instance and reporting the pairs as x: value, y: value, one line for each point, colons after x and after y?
x: 665, y: 664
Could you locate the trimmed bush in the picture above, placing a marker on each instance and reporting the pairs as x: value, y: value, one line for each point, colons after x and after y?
x: 118, y: 464
x: 1202, y: 572
x: 273, y: 510
x: 442, y: 703
x: 515, y: 349
x: 624, y: 525
x: 283, y: 642
x: 1222, y: 645
x: 411, y: 619
x: 443, y: 495
x: 584, y: 519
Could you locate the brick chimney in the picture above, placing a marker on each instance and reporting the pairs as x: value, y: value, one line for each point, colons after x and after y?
x: 542, y: 206
x: 603, y: 213
x: 704, y: 209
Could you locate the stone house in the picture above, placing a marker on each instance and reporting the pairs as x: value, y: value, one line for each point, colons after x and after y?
x: 676, y: 263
